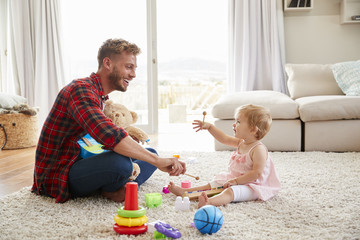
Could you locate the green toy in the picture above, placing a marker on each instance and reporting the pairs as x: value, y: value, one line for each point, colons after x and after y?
x: 153, y: 199
x: 158, y: 235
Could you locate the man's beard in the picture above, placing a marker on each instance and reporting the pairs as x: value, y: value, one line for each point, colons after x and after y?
x: 115, y: 80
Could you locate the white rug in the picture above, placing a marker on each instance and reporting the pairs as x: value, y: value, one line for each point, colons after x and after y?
x: 319, y: 200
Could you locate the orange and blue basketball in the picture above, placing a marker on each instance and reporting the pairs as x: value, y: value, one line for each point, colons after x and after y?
x: 208, y: 219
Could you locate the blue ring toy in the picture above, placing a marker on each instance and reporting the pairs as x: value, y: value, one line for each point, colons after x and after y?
x: 167, y: 230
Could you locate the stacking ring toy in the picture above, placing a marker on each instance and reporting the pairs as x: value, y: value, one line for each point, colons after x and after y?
x: 130, y: 222
x: 131, y: 213
x: 130, y: 230
x: 167, y: 230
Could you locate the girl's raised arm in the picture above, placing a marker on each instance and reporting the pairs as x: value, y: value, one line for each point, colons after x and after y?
x: 216, y: 133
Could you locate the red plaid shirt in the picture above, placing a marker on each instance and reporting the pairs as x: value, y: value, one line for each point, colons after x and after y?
x: 77, y: 111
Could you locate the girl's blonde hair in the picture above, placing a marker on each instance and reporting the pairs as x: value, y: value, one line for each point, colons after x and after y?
x: 258, y: 117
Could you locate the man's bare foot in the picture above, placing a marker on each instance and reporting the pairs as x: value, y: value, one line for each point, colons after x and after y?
x: 118, y: 196
x: 203, y: 200
x: 178, y: 191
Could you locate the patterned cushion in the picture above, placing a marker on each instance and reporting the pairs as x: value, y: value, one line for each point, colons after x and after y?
x: 347, y: 75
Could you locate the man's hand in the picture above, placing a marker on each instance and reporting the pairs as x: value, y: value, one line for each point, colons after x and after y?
x: 172, y: 166
x: 135, y: 139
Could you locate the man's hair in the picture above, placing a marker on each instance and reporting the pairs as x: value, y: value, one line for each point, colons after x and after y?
x: 116, y: 46
x: 257, y: 116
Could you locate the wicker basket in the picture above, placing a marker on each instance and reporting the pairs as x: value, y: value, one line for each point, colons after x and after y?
x: 18, y: 131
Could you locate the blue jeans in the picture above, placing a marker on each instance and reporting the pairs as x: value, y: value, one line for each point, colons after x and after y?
x: 106, y: 172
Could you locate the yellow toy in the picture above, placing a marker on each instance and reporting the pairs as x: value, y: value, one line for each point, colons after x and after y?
x: 130, y: 222
x: 123, y: 117
x: 209, y: 193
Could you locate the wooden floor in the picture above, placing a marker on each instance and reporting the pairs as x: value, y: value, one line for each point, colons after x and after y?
x: 16, y: 169
x: 17, y: 166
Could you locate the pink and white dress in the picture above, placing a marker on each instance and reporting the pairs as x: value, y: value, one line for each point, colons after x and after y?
x: 266, y: 187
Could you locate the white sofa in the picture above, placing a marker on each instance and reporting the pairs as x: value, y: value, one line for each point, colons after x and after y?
x: 317, y: 116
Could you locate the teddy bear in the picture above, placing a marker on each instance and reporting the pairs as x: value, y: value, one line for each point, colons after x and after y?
x: 123, y: 117
x: 135, y: 173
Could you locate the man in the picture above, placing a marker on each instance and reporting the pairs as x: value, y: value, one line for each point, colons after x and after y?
x: 78, y: 109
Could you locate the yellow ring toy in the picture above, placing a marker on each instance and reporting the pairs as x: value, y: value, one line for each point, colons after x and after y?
x: 131, y: 213
x: 130, y: 222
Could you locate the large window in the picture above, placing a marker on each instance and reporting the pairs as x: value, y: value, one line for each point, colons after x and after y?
x: 192, y: 56
x: 88, y: 23
x: 191, y: 49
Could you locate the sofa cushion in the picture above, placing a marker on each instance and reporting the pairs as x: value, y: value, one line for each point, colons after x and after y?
x: 311, y: 80
x: 280, y: 105
x: 347, y: 75
x: 323, y: 108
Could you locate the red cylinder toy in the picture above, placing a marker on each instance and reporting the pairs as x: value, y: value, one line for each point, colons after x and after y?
x: 131, y: 196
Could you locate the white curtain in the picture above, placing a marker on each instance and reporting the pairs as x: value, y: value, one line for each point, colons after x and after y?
x: 5, y: 86
x: 36, y: 51
x: 256, y: 46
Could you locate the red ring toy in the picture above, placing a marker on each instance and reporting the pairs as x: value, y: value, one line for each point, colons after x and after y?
x: 130, y: 230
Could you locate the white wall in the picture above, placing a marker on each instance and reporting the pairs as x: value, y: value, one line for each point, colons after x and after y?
x: 318, y: 37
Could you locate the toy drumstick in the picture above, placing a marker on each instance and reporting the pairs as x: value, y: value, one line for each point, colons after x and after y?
x: 197, y: 178
x: 204, y: 113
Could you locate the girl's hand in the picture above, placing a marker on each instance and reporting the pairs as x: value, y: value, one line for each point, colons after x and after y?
x: 230, y: 183
x: 199, y: 125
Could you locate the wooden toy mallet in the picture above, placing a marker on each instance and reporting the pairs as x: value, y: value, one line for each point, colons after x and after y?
x: 197, y: 178
x: 204, y: 113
